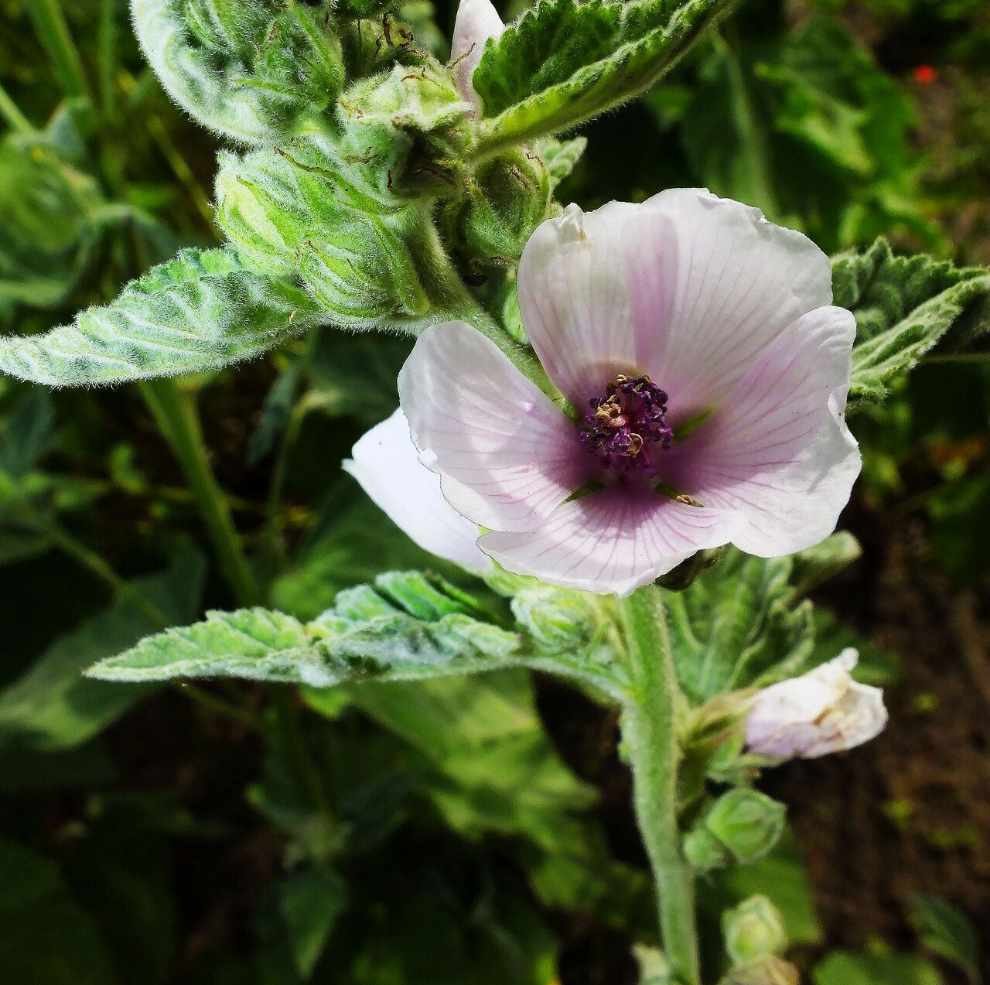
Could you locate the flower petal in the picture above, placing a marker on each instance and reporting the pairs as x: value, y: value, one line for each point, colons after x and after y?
x: 387, y: 466
x: 505, y: 453
x: 821, y: 712
x: 573, y: 300
x: 711, y: 283
x: 476, y: 22
x: 611, y: 541
x: 778, y: 450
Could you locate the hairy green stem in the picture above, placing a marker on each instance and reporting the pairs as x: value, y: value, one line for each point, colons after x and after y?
x: 651, y: 736
x: 174, y: 410
x: 53, y: 33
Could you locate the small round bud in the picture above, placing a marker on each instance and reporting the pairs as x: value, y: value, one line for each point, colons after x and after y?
x: 742, y: 825
x: 754, y: 929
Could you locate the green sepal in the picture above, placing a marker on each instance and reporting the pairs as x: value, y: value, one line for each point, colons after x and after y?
x: 753, y: 929
x: 366, y: 256
x: 507, y: 198
x: 742, y: 826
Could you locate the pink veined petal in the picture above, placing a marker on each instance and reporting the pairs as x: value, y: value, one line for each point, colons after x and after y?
x: 574, y: 303
x: 505, y: 453
x: 476, y: 22
x: 711, y: 283
x: 386, y: 464
x: 778, y: 450
x: 615, y: 540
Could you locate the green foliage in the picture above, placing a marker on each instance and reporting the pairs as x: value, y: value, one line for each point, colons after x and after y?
x: 200, y: 311
x: 947, y: 932
x: 34, y: 903
x: 407, y: 627
x: 802, y: 123
x: 738, y: 625
x: 903, y: 307
x: 251, y: 70
x: 843, y: 968
x: 564, y: 62
x: 52, y: 706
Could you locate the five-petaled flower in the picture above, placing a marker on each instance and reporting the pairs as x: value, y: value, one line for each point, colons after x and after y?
x: 821, y: 712
x: 704, y: 374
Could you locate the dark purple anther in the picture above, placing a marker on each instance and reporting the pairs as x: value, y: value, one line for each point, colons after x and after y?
x: 628, y: 423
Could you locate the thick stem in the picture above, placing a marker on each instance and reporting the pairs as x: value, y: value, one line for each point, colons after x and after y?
x: 651, y: 737
x: 174, y: 410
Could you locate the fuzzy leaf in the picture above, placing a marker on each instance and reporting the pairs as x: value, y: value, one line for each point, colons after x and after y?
x: 738, y: 625
x: 559, y: 156
x: 564, y: 62
x: 252, y: 70
x: 903, y: 307
x: 200, y: 311
x: 407, y: 627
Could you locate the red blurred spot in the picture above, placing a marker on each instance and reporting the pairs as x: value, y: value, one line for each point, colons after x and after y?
x: 925, y: 74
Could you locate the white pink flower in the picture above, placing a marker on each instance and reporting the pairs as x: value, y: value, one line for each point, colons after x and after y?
x: 821, y: 712
x: 706, y: 371
x: 476, y: 22
x: 386, y: 464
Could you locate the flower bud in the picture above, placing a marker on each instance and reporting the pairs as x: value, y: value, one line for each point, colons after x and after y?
x: 754, y: 929
x: 556, y: 619
x: 306, y: 209
x: 763, y: 971
x: 508, y: 197
x: 820, y: 712
x: 742, y: 825
x: 685, y: 574
x: 476, y: 22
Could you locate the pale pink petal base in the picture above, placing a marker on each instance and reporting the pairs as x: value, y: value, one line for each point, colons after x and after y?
x: 386, y: 464
x: 778, y: 449
x: 476, y: 22
x: 615, y: 540
x: 505, y: 452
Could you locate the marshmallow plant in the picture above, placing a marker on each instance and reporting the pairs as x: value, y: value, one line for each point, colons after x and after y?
x: 624, y: 429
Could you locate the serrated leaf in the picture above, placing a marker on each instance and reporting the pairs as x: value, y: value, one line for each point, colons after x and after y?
x: 252, y: 70
x: 369, y: 634
x: 903, y: 307
x: 564, y: 62
x: 738, y: 625
x: 200, y: 311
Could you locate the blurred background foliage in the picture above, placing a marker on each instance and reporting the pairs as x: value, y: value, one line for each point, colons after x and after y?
x: 472, y: 830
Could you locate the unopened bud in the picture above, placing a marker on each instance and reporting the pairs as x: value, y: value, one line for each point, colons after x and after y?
x: 685, y: 574
x: 754, y: 929
x: 742, y: 825
x: 821, y: 712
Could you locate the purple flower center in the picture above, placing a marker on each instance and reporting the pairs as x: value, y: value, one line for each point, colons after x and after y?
x: 627, y: 425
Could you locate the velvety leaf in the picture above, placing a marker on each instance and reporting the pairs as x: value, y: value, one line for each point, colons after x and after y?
x: 903, y: 307
x: 564, y: 62
x: 252, y: 70
x: 200, y: 311
x: 407, y: 627
x: 52, y: 706
x: 738, y: 625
